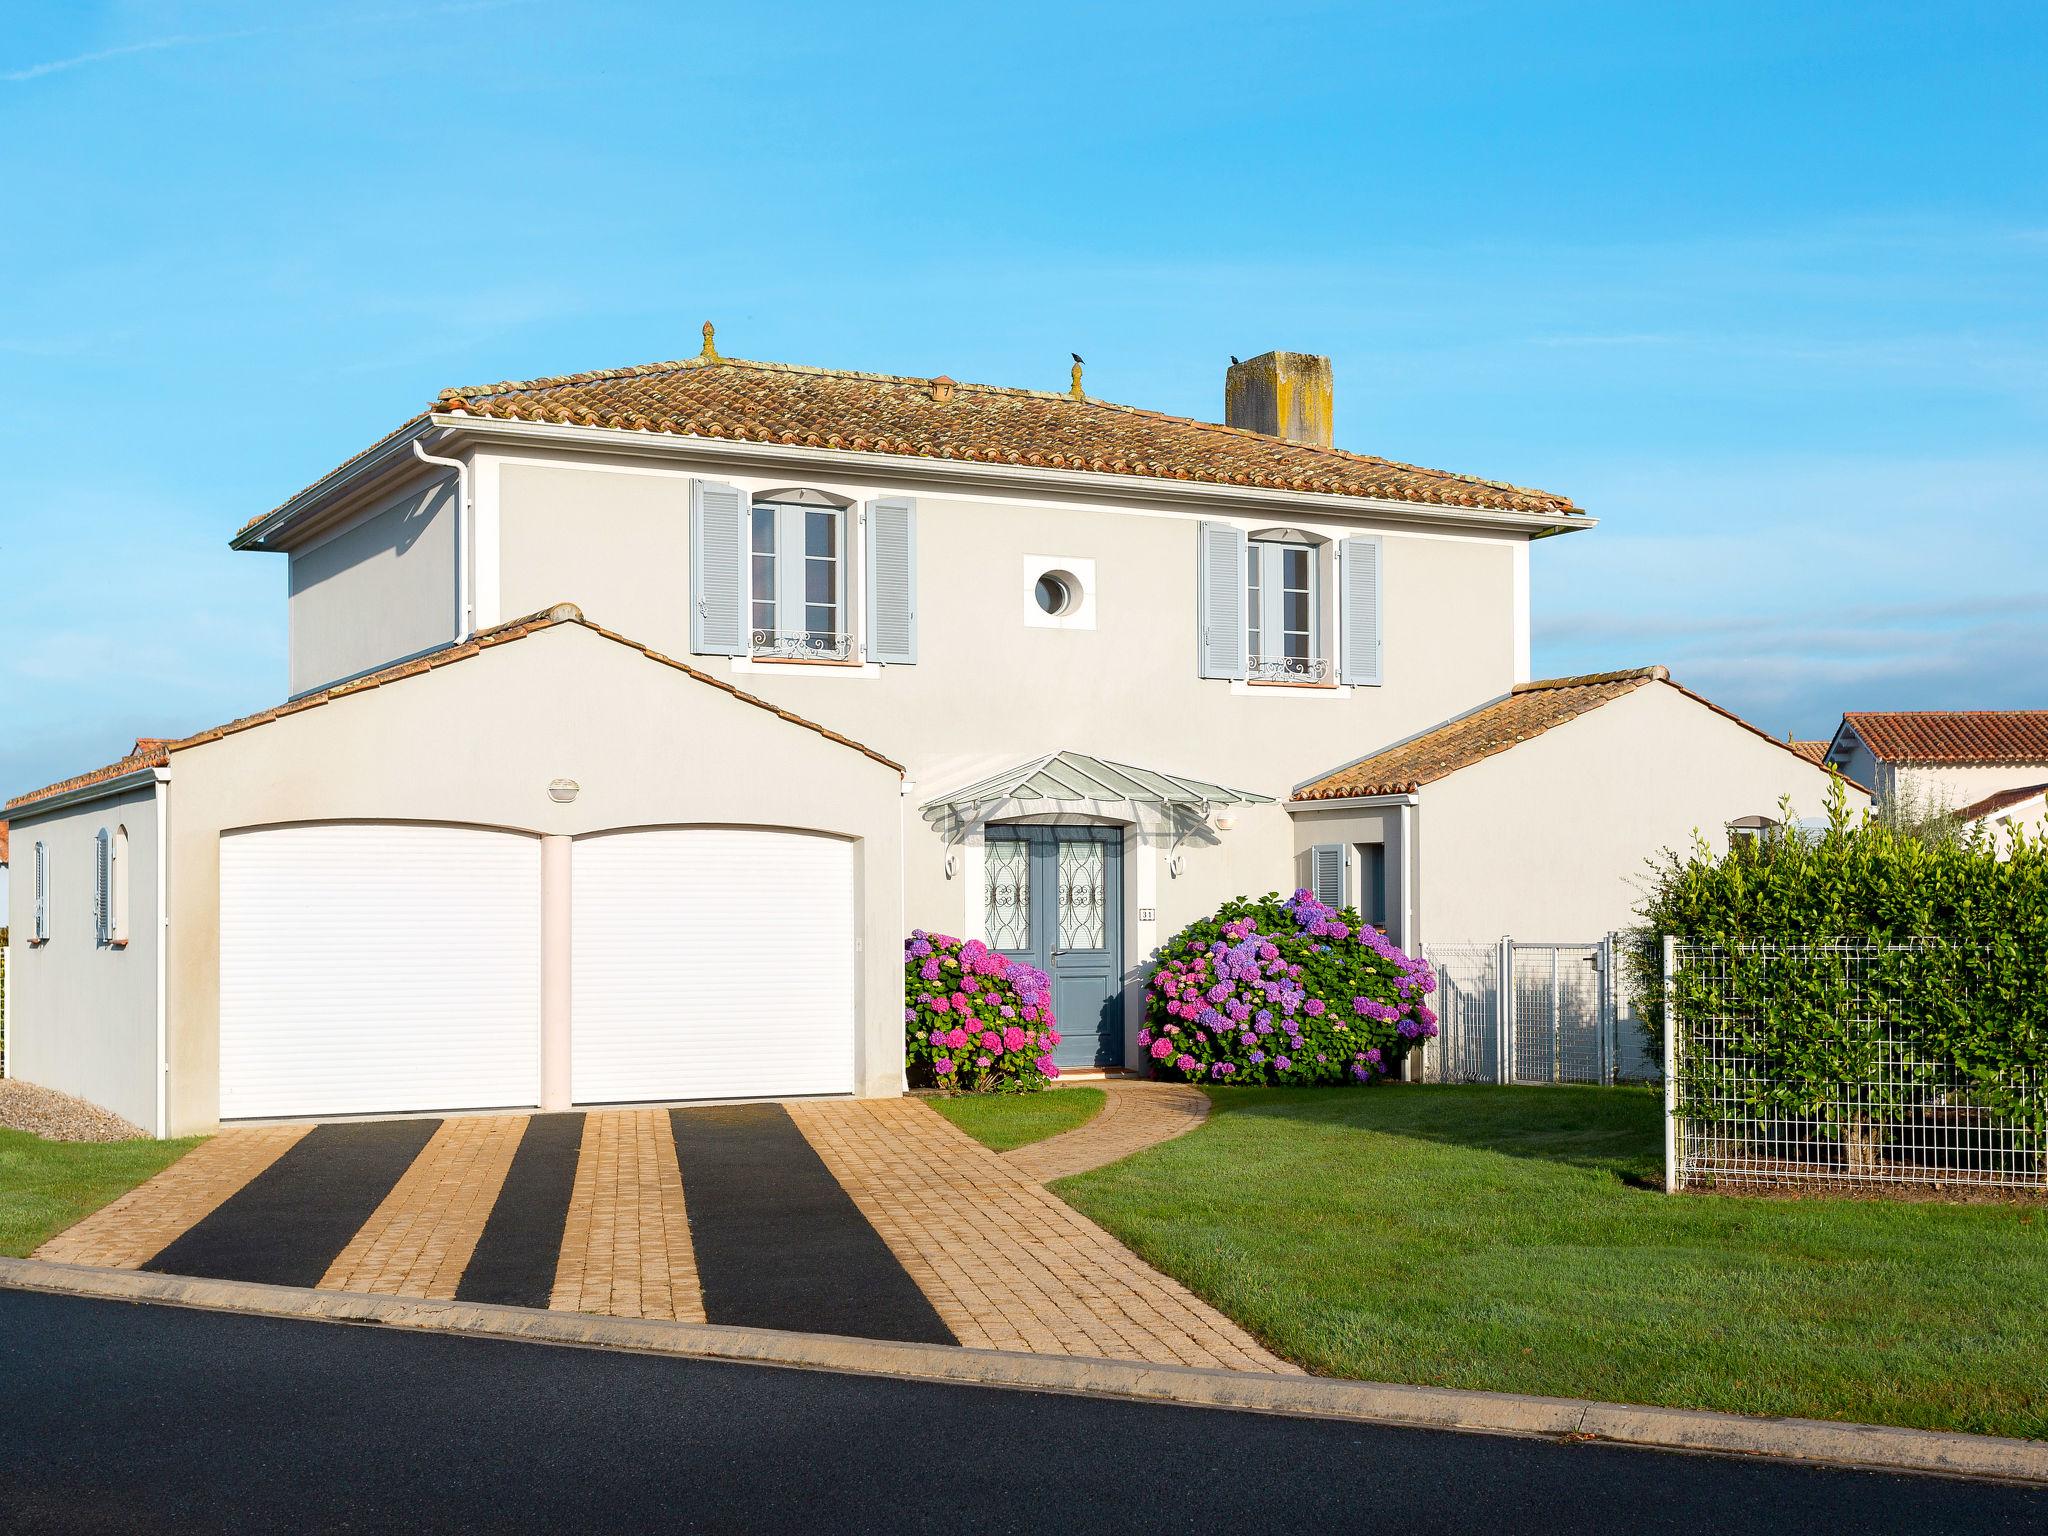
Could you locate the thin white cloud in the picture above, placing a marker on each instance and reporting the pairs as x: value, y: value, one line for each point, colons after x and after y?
x: 203, y: 39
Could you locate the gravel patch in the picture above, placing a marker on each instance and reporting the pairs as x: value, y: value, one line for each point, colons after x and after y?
x: 59, y: 1117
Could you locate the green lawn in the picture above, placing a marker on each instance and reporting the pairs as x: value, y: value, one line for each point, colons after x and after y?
x: 1516, y: 1239
x: 1006, y: 1120
x: 45, y: 1186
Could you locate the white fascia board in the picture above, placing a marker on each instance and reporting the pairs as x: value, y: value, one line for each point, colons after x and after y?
x: 1014, y: 479
x: 85, y: 794
x: 1351, y: 802
x: 335, y: 484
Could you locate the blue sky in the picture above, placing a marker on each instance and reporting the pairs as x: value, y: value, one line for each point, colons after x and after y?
x: 1764, y: 288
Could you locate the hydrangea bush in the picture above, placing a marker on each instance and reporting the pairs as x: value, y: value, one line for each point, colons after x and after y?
x: 975, y: 1020
x: 1273, y: 991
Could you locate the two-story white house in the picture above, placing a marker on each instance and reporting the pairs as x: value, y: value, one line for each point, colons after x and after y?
x: 636, y: 715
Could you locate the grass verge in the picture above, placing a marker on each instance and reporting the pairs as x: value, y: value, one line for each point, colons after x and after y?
x: 46, y: 1186
x: 1516, y: 1239
x: 1006, y: 1120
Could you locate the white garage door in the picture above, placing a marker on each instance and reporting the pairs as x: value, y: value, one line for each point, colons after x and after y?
x: 369, y: 968
x: 711, y: 963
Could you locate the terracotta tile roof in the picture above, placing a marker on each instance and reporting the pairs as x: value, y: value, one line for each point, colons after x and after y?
x: 148, y: 752
x: 1527, y: 712
x: 711, y: 396
x: 158, y: 753
x: 1990, y: 805
x: 1812, y: 751
x: 1982, y: 736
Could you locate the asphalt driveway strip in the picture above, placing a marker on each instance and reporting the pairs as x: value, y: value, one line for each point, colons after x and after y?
x: 134, y: 1418
x: 517, y: 1254
x: 287, y: 1225
x: 778, y: 1243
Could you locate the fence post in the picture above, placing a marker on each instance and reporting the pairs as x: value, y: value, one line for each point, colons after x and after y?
x: 1504, y: 989
x: 1674, y: 1175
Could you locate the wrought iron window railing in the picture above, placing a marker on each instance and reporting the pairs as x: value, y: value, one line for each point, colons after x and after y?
x: 1289, y: 669
x: 804, y: 645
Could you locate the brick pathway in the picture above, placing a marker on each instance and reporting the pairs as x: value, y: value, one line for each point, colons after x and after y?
x: 626, y: 1250
x: 1007, y: 1263
x: 1135, y: 1115
x: 137, y: 1227
x: 420, y: 1239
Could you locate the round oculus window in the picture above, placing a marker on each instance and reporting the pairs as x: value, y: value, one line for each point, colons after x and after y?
x: 1056, y: 592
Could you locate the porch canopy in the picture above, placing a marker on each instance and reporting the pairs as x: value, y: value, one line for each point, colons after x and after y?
x: 1074, y: 783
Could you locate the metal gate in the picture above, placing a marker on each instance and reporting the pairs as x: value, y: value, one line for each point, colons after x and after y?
x: 1519, y: 1012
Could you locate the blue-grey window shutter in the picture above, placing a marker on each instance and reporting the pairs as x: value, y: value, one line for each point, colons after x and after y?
x: 1220, y: 600
x: 1358, y: 580
x: 718, y: 568
x: 1326, y: 873
x: 42, y: 862
x: 892, y: 581
x: 102, y: 886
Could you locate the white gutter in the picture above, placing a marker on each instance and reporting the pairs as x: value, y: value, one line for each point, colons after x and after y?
x: 1352, y: 802
x: 163, y: 952
x: 465, y: 532
x: 1096, y: 483
x: 1009, y: 479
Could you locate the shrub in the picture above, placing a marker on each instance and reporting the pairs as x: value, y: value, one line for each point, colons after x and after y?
x: 974, y: 1020
x: 1273, y: 991
x: 1956, y: 980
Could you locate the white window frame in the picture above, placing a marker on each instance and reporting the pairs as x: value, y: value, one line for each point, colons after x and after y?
x: 776, y: 641
x: 117, y: 889
x: 1265, y: 568
x: 39, y: 933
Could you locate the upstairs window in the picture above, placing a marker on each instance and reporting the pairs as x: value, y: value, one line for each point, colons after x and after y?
x: 796, y: 578
x: 1283, y: 616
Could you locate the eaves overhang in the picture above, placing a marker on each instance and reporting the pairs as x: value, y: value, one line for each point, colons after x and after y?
x: 912, y: 469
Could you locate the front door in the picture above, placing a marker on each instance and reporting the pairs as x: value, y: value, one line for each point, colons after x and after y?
x: 1055, y: 900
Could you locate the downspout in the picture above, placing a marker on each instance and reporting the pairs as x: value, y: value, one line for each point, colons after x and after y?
x: 162, y: 789
x: 465, y: 518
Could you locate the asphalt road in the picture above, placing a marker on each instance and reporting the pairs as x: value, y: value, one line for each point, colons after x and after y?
x: 117, y: 1417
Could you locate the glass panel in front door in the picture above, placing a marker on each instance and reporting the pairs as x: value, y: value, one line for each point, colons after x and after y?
x: 1008, y: 900
x: 1082, y: 895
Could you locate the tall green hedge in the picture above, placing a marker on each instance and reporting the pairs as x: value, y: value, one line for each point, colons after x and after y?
x: 1954, y: 962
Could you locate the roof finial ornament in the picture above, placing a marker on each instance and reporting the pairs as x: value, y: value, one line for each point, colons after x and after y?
x: 1074, y: 388
x: 710, y: 352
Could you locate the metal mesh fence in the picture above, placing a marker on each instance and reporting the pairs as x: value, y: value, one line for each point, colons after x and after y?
x: 1559, y: 1018
x: 1467, y: 1003
x: 1854, y: 1064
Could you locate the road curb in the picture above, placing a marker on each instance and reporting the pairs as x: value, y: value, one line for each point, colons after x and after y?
x: 1873, y: 1446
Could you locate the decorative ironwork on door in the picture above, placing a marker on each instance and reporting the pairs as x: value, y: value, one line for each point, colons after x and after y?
x: 1083, y: 895
x: 1009, y: 895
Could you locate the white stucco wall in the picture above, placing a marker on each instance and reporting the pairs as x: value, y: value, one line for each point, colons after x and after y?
x: 380, y: 587
x: 1550, y: 839
x: 478, y: 741
x: 990, y: 687
x: 1931, y: 789
x: 82, y: 1016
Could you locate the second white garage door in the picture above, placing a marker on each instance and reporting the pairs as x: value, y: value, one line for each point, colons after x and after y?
x: 711, y: 963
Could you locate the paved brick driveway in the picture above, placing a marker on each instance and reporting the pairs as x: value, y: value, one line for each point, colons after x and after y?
x: 1001, y: 1261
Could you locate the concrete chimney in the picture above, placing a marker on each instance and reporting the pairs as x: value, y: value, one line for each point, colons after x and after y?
x: 1282, y: 394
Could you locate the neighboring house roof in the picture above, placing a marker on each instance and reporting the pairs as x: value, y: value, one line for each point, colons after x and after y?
x: 1956, y: 737
x: 159, y: 752
x: 730, y: 398
x: 1527, y: 712
x: 1812, y: 751
x: 1076, y: 777
x: 1990, y: 805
